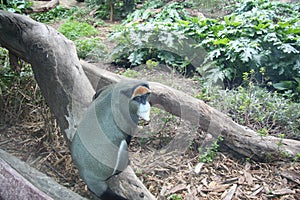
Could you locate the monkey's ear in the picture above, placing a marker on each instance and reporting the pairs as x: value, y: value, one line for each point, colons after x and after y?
x: 127, y: 92
x: 146, y: 85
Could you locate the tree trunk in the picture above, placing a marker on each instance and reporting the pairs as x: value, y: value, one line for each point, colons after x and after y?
x: 112, y: 9
x: 55, y: 64
x: 61, y: 79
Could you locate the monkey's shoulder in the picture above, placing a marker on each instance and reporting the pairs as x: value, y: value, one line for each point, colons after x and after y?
x: 102, y: 91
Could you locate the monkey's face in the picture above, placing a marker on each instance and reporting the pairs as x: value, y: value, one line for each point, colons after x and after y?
x: 140, y: 99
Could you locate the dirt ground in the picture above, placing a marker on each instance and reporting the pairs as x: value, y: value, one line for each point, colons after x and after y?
x: 163, y: 171
x: 37, y: 140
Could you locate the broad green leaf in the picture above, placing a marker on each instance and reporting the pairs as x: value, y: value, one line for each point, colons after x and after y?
x: 221, y: 41
x: 247, y: 54
x: 287, y: 48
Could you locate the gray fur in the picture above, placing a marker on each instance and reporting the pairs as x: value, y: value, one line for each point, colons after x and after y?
x: 107, y: 122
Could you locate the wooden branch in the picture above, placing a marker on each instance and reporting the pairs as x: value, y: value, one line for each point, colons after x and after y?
x: 239, y: 139
x: 61, y: 79
x: 20, y: 181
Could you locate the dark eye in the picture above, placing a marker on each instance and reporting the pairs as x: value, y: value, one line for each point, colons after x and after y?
x: 138, y: 99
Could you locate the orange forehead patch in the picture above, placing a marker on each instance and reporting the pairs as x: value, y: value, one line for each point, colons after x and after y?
x: 141, y: 90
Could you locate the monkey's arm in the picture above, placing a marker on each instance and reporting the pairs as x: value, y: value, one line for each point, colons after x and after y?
x: 122, y: 159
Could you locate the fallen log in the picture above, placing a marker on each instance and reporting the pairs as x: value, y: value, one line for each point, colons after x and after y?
x: 43, y: 6
x: 241, y: 140
x: 20, y: 181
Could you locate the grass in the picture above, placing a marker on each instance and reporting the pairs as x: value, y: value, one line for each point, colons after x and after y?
x: 91, y: 49
x: 75, y: 30
x: 266, y: 112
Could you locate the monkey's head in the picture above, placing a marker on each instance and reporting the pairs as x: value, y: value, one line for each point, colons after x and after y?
x: 140, y: 101
x: 129, y: 102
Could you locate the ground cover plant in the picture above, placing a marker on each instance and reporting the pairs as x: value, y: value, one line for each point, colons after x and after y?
x: 55, y: 14
x: 267, y: 113
x: 15, y: 6
x: 88, y: 45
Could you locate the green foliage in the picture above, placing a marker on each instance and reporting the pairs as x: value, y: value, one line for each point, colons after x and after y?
x: 157, y: 38
x: 255, y: 107
x: 102, y: 8
x: 175, y: 197
x: 297, y: 157
x: 15, y: 6
x: 56, y: 13
x: 6, y: 73
x: 88, y: 47
x: 259, y: 34
x: 8, y: 77
x: 151, y: 64
x: 211, y: 152
x: 75, y: 30
x: 139, y: 172
x: 4, y: 57
x: 158, y: 11
x: 91, y: 49
x: 263, y: 132
x: 130, y: 73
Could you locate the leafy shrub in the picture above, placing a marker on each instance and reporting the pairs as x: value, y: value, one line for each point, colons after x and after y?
x: 16, y: 6
x: 91, y: 48
x: 75, y: 30
x: 56, y: 13
x: 259, y: 34
x: 159, y: 11
x: 175, y: 197
x: 139, y: 42
x: 130, y: 73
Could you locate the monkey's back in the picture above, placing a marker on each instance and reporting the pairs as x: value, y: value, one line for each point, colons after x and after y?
x: 96, y: 143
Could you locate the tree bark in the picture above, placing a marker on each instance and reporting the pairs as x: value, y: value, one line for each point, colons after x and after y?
x: 61, y: 79
x: 55, y: 64
x: 18, y: 181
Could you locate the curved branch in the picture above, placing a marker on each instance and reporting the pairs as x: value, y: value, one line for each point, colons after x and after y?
x: 239, y: 139
x: 61, y: 79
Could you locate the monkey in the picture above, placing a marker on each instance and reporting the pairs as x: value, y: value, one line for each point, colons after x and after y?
x: 99, y: 147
